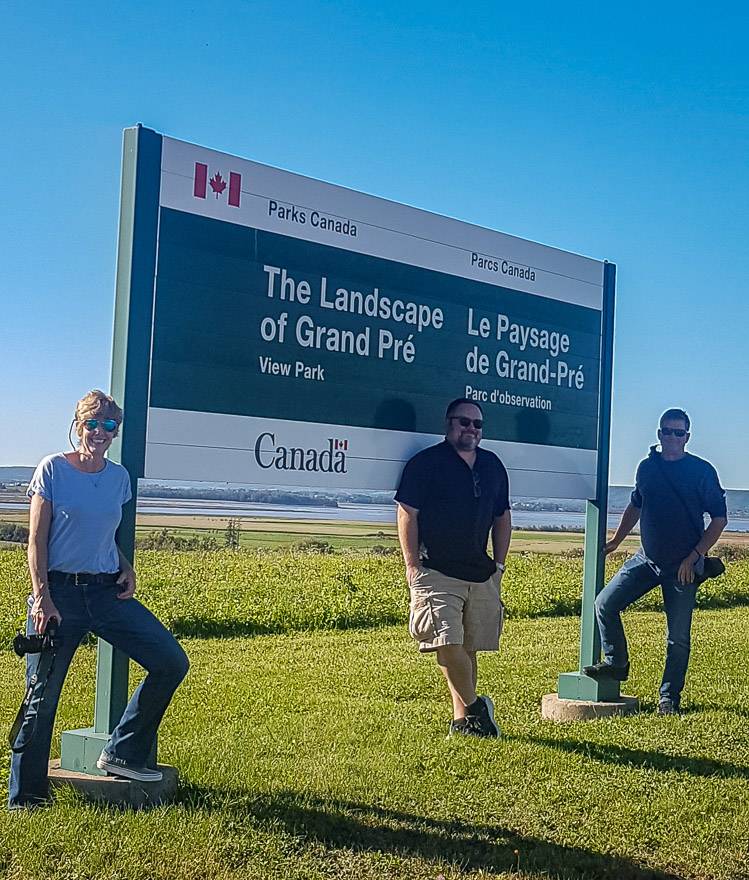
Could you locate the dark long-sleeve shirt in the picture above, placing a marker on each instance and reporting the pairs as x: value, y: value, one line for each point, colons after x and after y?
x: 670, y: 528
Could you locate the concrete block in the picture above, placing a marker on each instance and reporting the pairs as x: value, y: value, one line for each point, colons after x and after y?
x: 555, y: 708
x: 113, y: 790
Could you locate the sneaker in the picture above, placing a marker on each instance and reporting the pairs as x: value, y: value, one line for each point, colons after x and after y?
x: 478, y: 722
x: 29, y: 806
x: 607, y: 670
x: 118, y: 767
x: 488, y: 715
x: 470, y: 726
x: 668, y: 707
x: 458, y: 725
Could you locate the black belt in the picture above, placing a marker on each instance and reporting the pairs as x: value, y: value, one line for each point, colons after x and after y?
x: 81, y: 578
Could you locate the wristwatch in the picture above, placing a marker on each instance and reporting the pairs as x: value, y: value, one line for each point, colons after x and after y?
x: 501, y: 567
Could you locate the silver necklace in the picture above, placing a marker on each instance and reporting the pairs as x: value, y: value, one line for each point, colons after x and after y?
x: 95, y: 475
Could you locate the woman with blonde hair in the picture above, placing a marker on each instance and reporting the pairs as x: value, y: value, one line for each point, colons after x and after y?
x: 81, y: 578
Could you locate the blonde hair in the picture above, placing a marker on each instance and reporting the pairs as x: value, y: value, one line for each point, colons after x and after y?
x: 96, y: 403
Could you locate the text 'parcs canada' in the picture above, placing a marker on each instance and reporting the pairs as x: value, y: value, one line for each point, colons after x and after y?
x: 505, y: 267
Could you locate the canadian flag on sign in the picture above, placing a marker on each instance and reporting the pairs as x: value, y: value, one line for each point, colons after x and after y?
x: 341, y: 444
x: 217, y: 184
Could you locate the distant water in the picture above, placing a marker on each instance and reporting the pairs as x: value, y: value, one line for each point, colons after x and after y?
x: 371, y: 513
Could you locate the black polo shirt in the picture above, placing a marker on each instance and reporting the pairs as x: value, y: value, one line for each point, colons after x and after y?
x: 457, y: 507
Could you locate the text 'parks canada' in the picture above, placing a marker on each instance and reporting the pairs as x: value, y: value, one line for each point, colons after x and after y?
x: 303, y: 216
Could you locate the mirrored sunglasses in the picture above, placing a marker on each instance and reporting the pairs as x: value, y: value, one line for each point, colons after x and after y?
x: 109, y: 425
x: 677, y: 432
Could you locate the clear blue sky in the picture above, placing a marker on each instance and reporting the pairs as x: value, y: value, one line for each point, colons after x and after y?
x: 621, y: 134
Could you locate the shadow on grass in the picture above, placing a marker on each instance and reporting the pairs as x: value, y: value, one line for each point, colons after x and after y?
x: 569, y: 606
x: 729, y: 599
x: 207, y: 628
x: 732, y: 709
x: 195, y: 626
x: 646, y: 760
x: 363, y: 827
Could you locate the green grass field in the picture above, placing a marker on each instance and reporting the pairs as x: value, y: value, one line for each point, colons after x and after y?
x: 310, y: 738
x: 258, y: 592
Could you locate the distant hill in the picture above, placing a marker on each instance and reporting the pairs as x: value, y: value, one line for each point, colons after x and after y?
x: 16, y: 474
x: 738, y: 499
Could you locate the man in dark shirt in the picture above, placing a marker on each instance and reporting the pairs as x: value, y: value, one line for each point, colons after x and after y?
x: 450, y: 498
x: 673, y: 491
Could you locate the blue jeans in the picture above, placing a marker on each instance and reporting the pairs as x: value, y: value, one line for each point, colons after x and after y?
x: 127, y: 625
x: 635, y: 578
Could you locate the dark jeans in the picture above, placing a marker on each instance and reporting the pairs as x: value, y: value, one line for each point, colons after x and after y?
x: 129, y: 626
x: 635, y: 578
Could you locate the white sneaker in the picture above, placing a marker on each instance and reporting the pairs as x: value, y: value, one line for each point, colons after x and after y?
x: 118, y: 767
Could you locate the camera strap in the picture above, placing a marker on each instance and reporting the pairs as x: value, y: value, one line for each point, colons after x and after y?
x: 28, y: 714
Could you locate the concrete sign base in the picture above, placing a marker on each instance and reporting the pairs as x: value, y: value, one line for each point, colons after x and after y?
x: 113, y: 790
x: 554, y: 708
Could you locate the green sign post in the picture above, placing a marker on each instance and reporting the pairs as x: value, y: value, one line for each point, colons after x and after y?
x: 136, y: 264
x: 576, y: 685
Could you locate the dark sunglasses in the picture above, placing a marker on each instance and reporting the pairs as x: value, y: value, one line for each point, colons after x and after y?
x: 109, y: 425
x: 677, y: 432
x: 464, y: 422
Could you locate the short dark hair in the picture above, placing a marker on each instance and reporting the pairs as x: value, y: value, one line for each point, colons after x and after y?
x: 674, y: 413
x: 454, y: 404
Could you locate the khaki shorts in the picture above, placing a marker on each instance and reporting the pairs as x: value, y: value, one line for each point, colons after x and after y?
x: 448, y: 611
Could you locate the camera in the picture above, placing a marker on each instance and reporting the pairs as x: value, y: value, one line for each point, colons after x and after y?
x: 35, y: 644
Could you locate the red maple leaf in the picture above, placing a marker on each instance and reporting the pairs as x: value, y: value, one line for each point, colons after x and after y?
x: 218, y: 184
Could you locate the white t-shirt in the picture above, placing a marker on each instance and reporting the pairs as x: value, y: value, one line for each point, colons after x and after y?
x: 86, y: 511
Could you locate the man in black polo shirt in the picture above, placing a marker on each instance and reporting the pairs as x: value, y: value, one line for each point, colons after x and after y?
x: 673, y: 491
x: 450, y: 497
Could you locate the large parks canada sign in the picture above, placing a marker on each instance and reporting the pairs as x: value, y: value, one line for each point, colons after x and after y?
x: 287, y: 331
